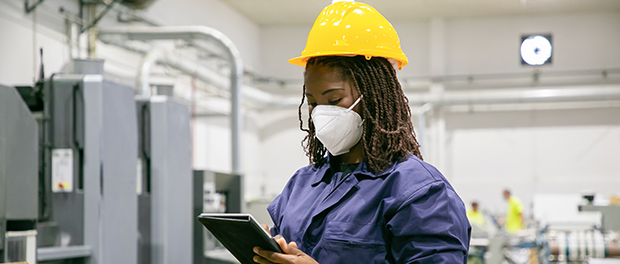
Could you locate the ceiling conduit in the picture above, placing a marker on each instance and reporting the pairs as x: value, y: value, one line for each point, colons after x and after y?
x: 190, y: 33
x: 265, y: 99
x: 522, y: 95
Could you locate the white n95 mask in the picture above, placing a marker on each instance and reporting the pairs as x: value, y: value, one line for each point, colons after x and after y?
x: 338, y: 128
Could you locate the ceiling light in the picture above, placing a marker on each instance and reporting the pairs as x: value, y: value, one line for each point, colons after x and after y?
x: 536, y: 49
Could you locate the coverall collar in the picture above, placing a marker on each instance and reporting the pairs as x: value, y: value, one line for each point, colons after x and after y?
x: 362, y: 169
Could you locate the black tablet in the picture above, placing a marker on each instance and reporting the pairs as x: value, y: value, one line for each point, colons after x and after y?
x: 239, y: 233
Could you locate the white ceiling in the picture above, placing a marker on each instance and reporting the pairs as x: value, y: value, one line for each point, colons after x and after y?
x: 304, y: 12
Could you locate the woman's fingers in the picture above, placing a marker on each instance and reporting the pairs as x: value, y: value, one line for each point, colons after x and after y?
x: 262, y: 255
x: 261, y: 260
x: 292, y: 254
x: 266, y: 256
x: 282, y: 242
x: 290, y: 248
x: 266, y: 227
x: 293, y: 244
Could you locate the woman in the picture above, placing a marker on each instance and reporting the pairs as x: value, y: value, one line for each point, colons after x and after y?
x: 367, y: 196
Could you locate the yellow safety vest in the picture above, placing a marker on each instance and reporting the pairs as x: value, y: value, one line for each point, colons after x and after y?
x: 513, y: 217
x: 475, y: 217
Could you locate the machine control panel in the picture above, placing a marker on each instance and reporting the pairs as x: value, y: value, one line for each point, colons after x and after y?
x: 62, y: 170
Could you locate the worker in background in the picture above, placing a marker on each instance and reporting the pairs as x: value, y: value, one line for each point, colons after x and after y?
x: 367, y: 196
x: 514, y: 216
x: 474, y: 215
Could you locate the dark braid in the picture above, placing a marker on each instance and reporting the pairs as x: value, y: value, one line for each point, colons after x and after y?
x: 312, y: 146
x: 388, y: 135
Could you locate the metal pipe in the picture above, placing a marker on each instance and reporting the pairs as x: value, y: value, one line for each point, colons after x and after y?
x: 595, y: 93
x: 469, y: 97
x: 515, y: 75
x: 204, y: 33
x: 143, y: 85
x: 255, y: 96
x: 504, y: 96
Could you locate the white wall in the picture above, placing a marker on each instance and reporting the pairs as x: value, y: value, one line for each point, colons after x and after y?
x: 281, y: 149
x: 491, y: 45
x: 530, y: 152
x: 475, y: 45
x: 278, y: 45
x: 19, y: 47
x: 212, y: 151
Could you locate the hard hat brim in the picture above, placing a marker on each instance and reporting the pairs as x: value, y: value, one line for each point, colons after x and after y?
x: 302, y: 60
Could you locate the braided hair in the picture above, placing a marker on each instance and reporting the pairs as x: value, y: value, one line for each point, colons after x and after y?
x: 388, y: 135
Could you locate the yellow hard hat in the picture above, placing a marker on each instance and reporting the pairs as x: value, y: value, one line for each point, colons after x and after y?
x: 348, y: 29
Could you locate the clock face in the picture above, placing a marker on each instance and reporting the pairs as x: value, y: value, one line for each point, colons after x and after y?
x: 536, y: 50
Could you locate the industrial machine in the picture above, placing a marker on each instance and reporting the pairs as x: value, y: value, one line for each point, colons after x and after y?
x: 18, y: 178
x: 164, y: 181
x: 87, y: 166
x: 559, y: 233
x: 114, y: 176
x: 610, y: 214
x: 214, y: 192
x: 579, y: 246
x: 91, y: 145
x: 590, y: 242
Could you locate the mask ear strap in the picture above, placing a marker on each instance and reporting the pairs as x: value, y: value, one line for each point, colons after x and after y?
x: 356, y: 102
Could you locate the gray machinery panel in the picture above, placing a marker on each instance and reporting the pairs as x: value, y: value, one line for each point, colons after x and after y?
x: 64, y: 105
x: 93, y: 165
x: 171, y: 181
x: 225, y: 184
x: 18, y: 148
x: 119, y: 154
x: 95, y: 120
x: 610, y: 215
x: 144, y: 181
x: 144, y: 229
x: 18, y: 156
